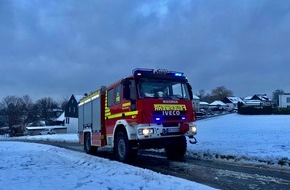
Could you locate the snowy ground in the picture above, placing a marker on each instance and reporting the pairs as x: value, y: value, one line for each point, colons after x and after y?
x: 262, y: 139
x: 237, y: 138
x: 36, y: 166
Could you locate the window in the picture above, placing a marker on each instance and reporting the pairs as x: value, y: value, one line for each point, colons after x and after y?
x: 67, y: 120
x: 110, y: 97
x: 69, y: 109
x: 118, y: 94
x: 158, y: 88
x: 288, y: 100
x: 180, y: 91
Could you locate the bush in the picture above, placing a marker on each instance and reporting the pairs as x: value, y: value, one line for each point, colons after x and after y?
x: 251, y: 110
x: 282, y: 111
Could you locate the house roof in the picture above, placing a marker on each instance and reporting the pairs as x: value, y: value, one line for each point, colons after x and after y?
x: 195, y: 97
x: 203, y: 103
x: 218, y: 103
x: 61, y: 117
x: 235, y: 100
x: 248, y: 98
x: 262, y: 97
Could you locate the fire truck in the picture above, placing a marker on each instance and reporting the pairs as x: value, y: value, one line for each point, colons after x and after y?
x: 149, y: 109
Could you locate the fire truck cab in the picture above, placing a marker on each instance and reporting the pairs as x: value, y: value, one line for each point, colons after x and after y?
x: 149, y: 109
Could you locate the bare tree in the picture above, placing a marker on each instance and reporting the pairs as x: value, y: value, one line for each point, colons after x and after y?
x: 276, y: 94
x: 63, y: 102
x: 12, y: 110
x: 221, y: 92
x: 218, y: 93
x: 45, y: 108
x: 29, y: 113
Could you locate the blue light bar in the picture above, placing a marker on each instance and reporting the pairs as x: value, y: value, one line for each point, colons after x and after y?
x: 139, y: 71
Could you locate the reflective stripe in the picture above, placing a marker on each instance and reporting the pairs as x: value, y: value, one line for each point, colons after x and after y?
x: 126, y: 104
x: 90, y: 97
x: 121, y: 114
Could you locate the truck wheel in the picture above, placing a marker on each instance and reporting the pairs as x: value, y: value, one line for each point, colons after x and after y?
x: 87, y: 145
x: 122, y: 148
x: 177, y: 150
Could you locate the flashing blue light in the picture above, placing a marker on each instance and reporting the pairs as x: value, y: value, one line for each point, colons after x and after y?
x: 183, y: 118
x: 178, y: 74
x: 157, y: 118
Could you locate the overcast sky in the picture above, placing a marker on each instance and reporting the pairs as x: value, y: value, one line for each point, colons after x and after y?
x: 58, y: 48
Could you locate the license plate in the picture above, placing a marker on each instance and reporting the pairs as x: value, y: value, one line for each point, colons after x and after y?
x: 173, y: 130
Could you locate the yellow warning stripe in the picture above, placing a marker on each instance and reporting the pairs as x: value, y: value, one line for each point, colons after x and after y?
x: 126, y: 104
x: 121, y: 114
x: 91, y: 96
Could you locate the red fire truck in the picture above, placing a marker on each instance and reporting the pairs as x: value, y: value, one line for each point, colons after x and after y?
x: 149, y: 109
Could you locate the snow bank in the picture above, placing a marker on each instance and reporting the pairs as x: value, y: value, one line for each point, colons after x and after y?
x: 36, y: 166
x: 72, y: 138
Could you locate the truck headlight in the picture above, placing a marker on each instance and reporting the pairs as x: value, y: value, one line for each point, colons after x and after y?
x: 146, y: 131
x: 193, y: 129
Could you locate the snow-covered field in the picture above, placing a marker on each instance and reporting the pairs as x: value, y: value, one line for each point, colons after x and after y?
x: 260, y: 139
x: 36, y: 166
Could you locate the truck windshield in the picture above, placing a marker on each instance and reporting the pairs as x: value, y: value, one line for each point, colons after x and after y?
x: 160, y: 88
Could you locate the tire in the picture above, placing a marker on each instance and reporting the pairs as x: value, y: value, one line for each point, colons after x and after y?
x: 122, y: 148
x: 177, y: 149
x: 89, y: 149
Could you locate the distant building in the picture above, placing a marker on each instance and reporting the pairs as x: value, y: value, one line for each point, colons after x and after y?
x: 218, y: 104
x: 232, y: 102
x: 204, y: 105
x: 71, y: 113
x: 258, y: 100
x: 284, y: 100
x: 195, y: 103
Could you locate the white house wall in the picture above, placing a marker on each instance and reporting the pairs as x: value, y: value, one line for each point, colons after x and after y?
x: 71, y: 124
x: 283, y: 103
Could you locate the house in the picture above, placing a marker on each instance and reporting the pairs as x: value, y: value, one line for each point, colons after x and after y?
x: 232, y: 102
x: 218, y: 105
x: 203, y: 105
x: 284, y: 100
x: 71, y: 113
x: 258, y: 100
x: 195, y: 103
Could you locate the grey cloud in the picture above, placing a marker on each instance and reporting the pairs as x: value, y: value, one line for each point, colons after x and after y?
x: 61, y: 47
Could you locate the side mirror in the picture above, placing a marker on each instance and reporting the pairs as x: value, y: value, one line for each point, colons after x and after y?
x: 190, y: 91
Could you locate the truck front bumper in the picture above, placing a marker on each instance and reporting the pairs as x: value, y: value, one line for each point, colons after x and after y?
x: 158, y: 131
